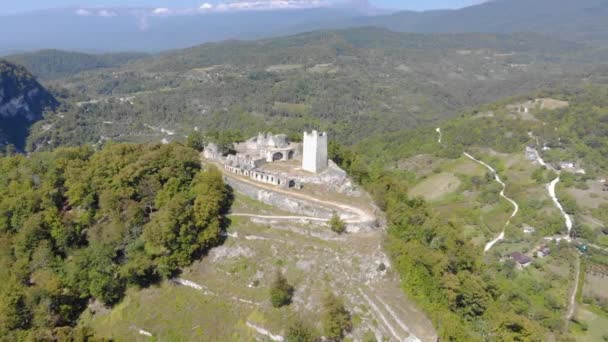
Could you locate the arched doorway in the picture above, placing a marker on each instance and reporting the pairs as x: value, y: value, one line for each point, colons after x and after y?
x: 277, y: 156
x: 290, y: 155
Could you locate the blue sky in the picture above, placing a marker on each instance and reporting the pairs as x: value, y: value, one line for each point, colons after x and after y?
x: 12, y: 6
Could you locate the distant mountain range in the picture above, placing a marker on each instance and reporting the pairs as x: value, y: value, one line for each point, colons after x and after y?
x: 581, y: 20
x: 153, y: 30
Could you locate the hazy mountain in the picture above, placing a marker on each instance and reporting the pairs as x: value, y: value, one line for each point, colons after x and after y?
x: 581, y: 20
x: 153, y: 30
x: 22, y: 102
x: 142, y: 30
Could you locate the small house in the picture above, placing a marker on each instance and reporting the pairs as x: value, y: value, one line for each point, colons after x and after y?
x: 543, y: 251
x: 521, y: 260
x: 528, y: 229
x: 567, y: 165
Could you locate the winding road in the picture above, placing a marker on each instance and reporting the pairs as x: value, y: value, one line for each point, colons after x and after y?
x: 552, y: 193
x: 551, y: 190
x: 569, y: 223
x: 501, y: 236
x: 278, y: 217
x: 360, y: 215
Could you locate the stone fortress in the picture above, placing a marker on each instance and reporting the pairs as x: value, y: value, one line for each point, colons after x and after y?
x: 274, y: 159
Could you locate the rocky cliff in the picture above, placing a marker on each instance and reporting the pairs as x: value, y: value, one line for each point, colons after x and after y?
x: 22, y: 102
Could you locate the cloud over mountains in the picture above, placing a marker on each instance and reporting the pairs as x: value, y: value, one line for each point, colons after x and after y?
x: 209, y: 7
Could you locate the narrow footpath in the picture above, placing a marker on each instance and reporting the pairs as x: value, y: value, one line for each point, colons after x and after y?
x: 572, y: 302
x: 501, y: 236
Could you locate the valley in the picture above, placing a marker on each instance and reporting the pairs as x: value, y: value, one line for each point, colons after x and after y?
x: 354, y: 83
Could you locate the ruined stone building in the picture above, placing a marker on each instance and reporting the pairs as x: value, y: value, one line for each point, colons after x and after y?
x: 252, y: 155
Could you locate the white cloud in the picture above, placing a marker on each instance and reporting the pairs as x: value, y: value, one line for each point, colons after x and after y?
x: 249, y: 5
x: 83, y: 12
x: 161, y: 11
x: 106, y: 13
x: 206, y: 7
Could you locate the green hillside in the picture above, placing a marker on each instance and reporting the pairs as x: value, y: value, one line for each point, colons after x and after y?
x: 54, y: 64
x: 354, y: 83
x: 581, y: 21
x: 463, y: 140
x: 438, y: 243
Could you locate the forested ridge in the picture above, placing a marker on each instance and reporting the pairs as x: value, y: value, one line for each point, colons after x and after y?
x: 353, y: 83
x: 54, y: 64
x: 78, y: 225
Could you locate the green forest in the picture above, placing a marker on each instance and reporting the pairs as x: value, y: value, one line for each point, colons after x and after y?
x: 353, y: 83
x: 79, y: 226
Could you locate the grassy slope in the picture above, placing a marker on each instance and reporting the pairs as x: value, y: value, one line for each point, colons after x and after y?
x: 313, y: 259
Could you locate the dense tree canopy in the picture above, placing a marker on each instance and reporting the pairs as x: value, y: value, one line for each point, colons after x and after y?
x: 76, y: 224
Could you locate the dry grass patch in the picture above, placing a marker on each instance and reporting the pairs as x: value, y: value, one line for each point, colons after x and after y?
x: 284, y: 67
x: 436, y: 186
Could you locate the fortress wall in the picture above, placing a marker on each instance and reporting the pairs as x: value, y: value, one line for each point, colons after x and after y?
x: 292, y: 205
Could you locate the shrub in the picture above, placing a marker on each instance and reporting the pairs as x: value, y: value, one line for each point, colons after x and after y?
x: 280, y: 291
x: 299, y: 332
x: 336, y: 224
x: 336, y: 319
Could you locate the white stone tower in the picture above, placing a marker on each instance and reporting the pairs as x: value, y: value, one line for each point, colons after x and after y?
x: 314, y: 156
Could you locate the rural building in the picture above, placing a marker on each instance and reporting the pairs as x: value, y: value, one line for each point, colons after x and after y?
x: 543, y: 251
x: 528, y: 229
x: 521, y: 260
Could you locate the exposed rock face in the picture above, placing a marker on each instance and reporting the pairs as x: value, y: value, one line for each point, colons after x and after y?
x: 334, y: 178
x: 22, y: 102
